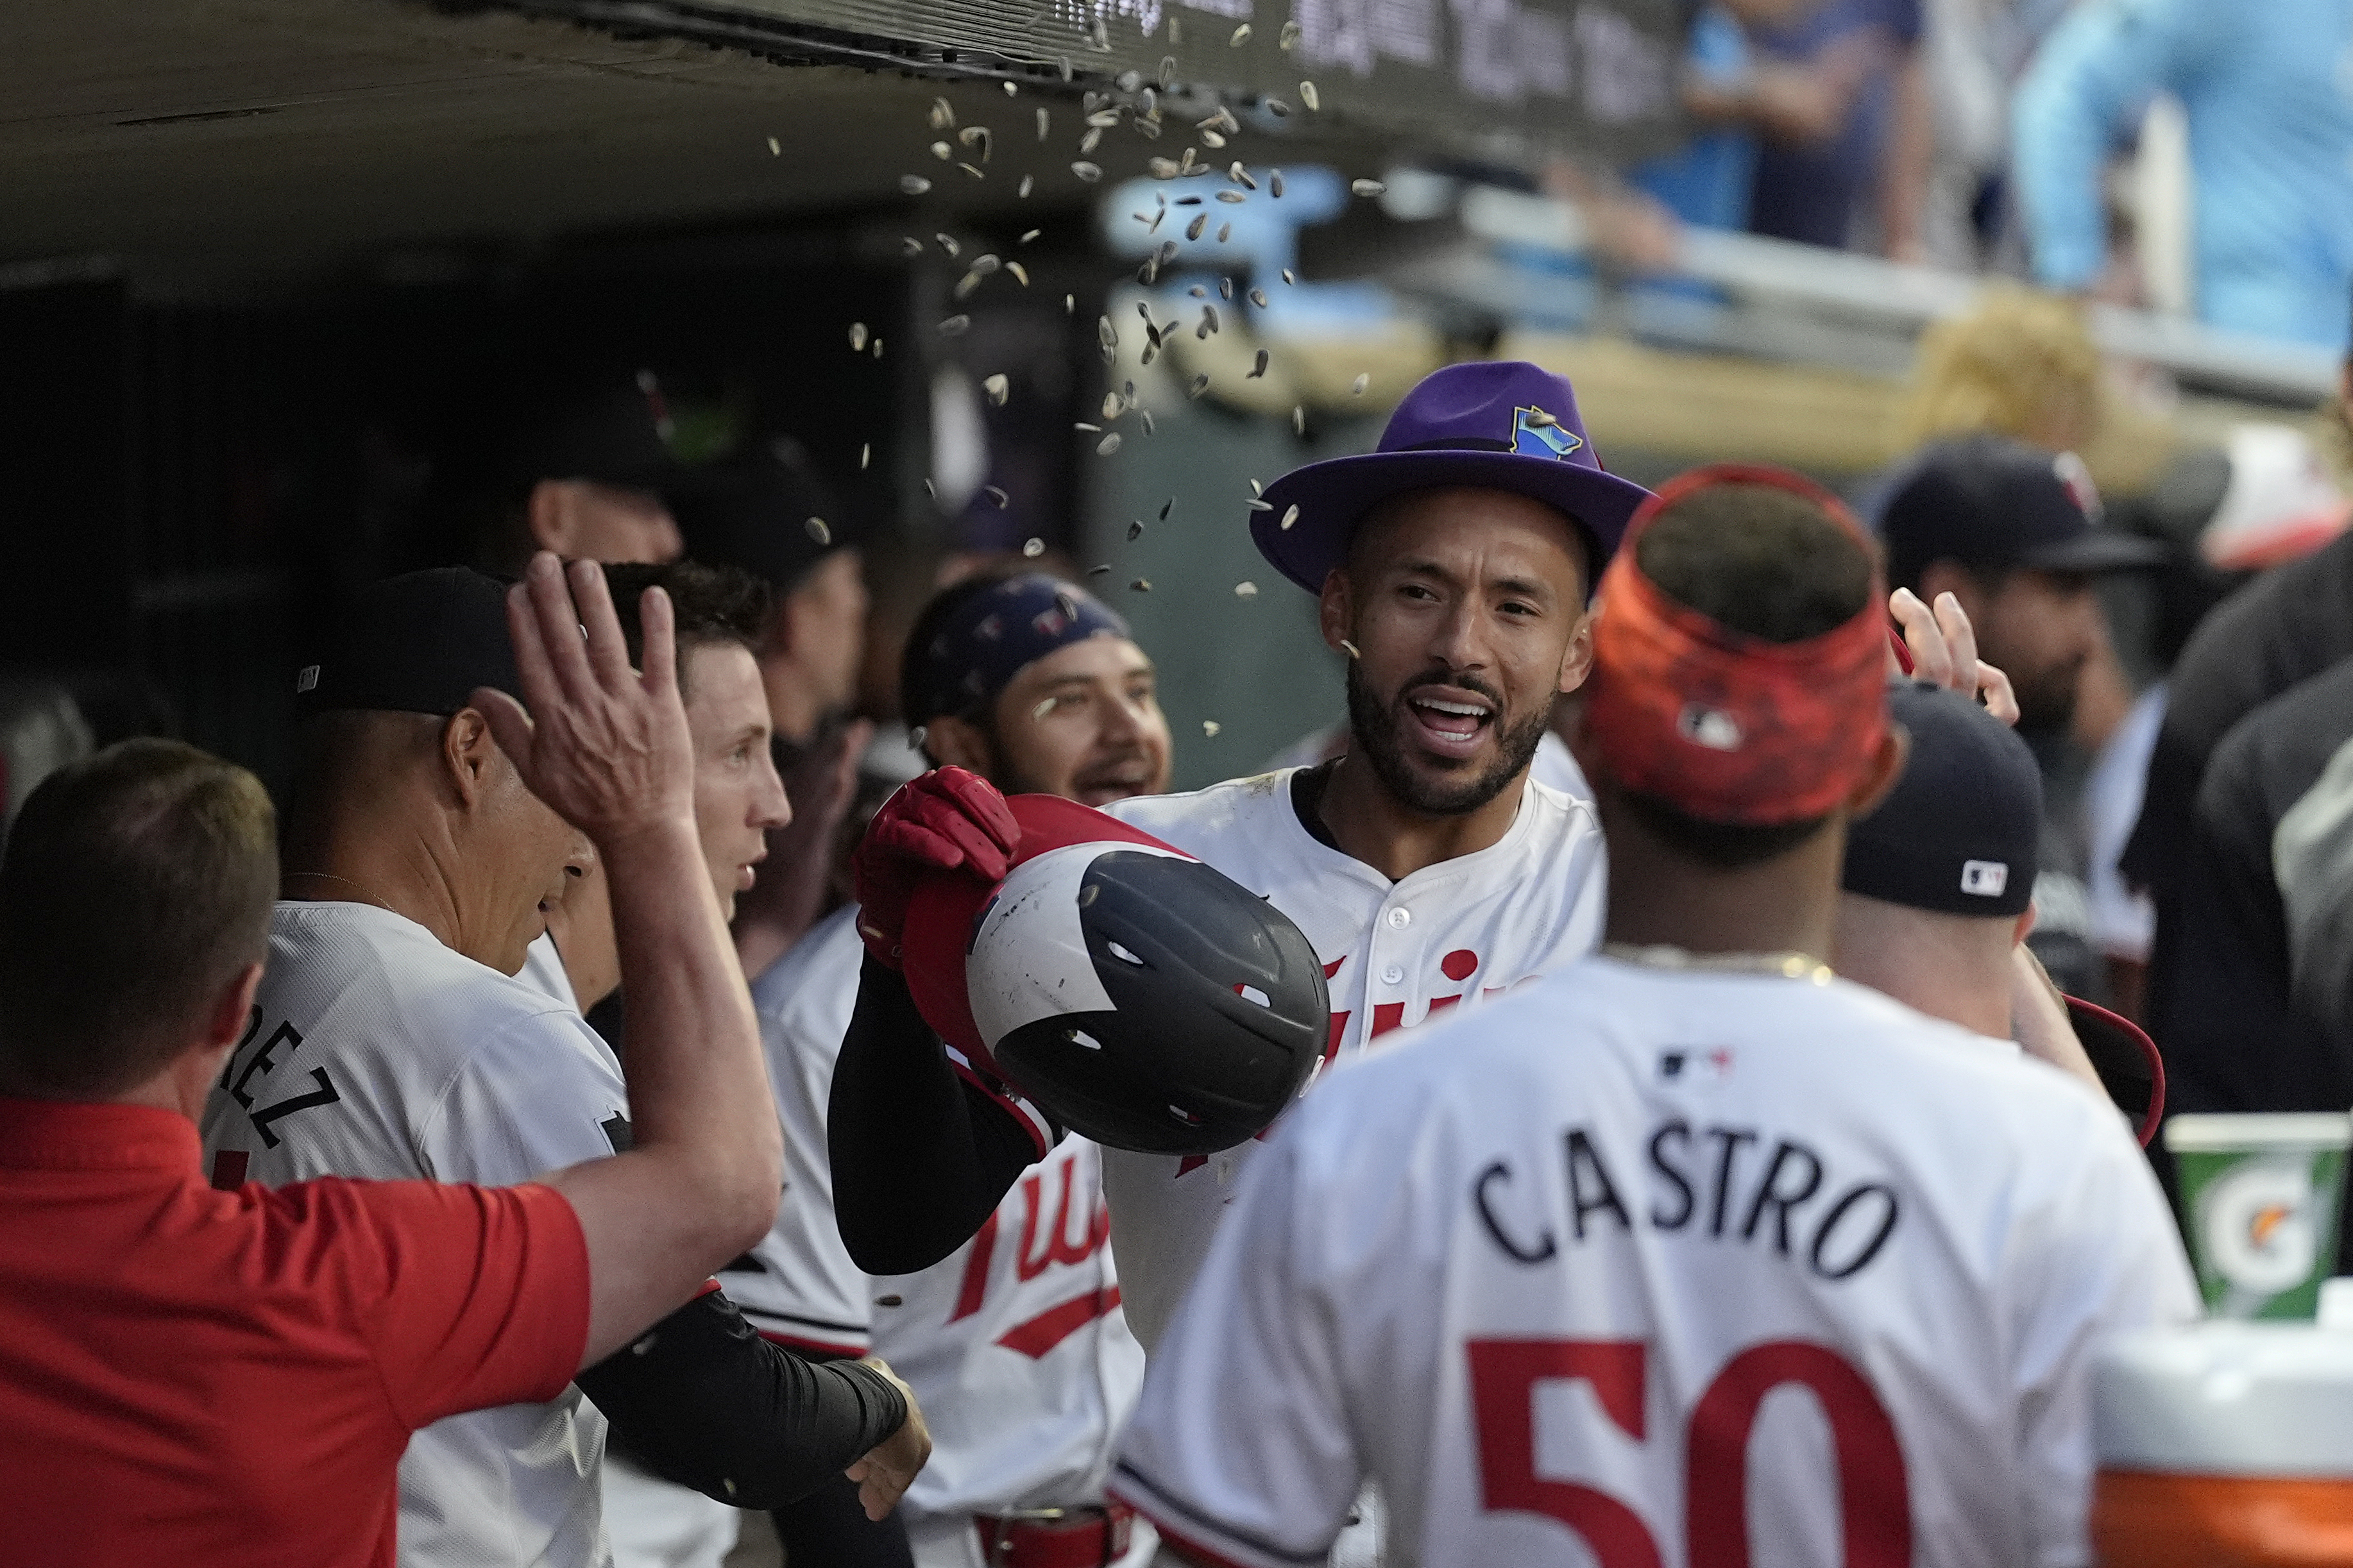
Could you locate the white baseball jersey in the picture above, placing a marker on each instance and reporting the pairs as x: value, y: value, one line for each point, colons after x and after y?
x: 1645, y: 1267
x: 1016, y: 1345
x: 375, y: 1051
x: 1452, y: 935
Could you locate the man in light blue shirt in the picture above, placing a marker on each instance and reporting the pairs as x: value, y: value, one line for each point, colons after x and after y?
x: 2271, y: 144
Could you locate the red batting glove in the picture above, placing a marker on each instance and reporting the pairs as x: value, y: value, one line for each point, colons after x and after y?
x: 945, y: 820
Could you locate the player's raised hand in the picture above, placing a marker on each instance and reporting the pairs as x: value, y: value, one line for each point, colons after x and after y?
x: 1943, y: 649
x: 604, y: 745
x: 943, y: 821
x: 890, y: 1466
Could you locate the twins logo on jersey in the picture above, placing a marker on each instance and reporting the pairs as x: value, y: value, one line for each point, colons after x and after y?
x: 1071, y: 1238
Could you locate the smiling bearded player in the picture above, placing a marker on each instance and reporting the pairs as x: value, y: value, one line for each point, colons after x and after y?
x: 1453, y: 565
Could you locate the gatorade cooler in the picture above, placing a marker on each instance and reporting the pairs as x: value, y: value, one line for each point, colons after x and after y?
x: 2225, y: 1445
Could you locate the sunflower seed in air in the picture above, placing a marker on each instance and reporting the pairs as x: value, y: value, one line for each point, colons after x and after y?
x: 1141, y: 586
x: 1068, y: 606
x: 1103, y: 118
x: 1128, y: 80
x: 1167, y: 252
x: 915, y: 739
x: 1209, y: 729
x: 1232, y: 197
x: 1356, y: 387
x: 1298, y: 419
x: 1201, y: 384
x: 1028, y: 183
x: 1105, y: 333
x: 1198, y: 292
x: 1277, y: 108
x: 999, y: 388
x: 1538, y: 419
x: 1090, y: 429
x: 865, y: 455
x: 1240, y: 175
x: 1367, y: 187
x: 1225, y: 233
x: 1211, y: 139
x: 1208, y: 321
x: 965, y: 285
x: 1307, y: 95
x: 1176, y: 39
x: 1257, y: 488
x: 1134, y: 531
x: 1225, y: 288
x: 1033, y: 548
x: 1241, y: 37
x: 1020, y: 273
x: 1098, y: 570
x: 1011, y: 89
x: 1287, y: 278
x: 914, y: 185
x: 942, y: 151
x: 1258, y: 367
x: 1289, y: 37
x: 1258, y: 298
x: 1351, y: 648
x: 819, y: 531
x: 1108, y: 445
x: 1257, y: 505
x: 974, y: 170
x: 877, y: 348
x: 1031, y: 234
x: 1145, y: 414
x: 1166, y: 506
x: 1164, y: 168
x: 1291, y: 515
x: 1044, y: 708
x: 1200, y: 221
x: 1146, y: 126
x: 942, y: 116
x: 1245, y: 590
x: 1148, y: 105
x: 1102, y: 37
x: 974, y: 136
x: 1167, y: 72
x: 776, y: 148
x: 1064, y: 61
x: 930, y: 489
x: 858, y: 337
x: 1088, y: 172
x: 1186, y: 166
x: 948, y: 245
x: 1069, y: 304
x: 910, y: 245
x: 996, y: 498
x: 1113, y: 405
x: 1090, y: 141
x: 1274, y: 183
x: 1044, y: 121
x: 954, y: 326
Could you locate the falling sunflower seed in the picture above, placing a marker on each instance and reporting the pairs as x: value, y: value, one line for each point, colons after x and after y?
x: 1276, y: 107
x: 1201, y: 384
x: 910, y: 245
x: 1101, y: 36
x: 1029, y: 184
x: 986, y: 263
x: 1082, y: 425
x: 1141, y: 586
x: 1044, y: 707
x: 1356, y: 387
x: 997, y: 497
x: 1225, y: 288
x: 1290, y: 516
x: 858, y: 337
x: 1208, y: 321
x: 1134, y: 531
x: 1240, y: 175
x: 1258, y: 298
x: 1367, y: 187
x: 930, y: 489
x: 1257, y: 488
x: 1031, y: 234
x: 999, y: 388
x: 1232, y: 198
x: 1245, y: 590
x: 865, y: 455
x: 965, y: 285
x: 942, y: 116
x: 776, y: 148
x: 1209, y: 728
x: 954, y: 326
x: 946, y: 242
x: 1538, y: 419
x: 1257, y: 505
x: 1274, y: 184
x: 1128, y: 80
x: 1020, y: 273
x: 1108, y: 445
x: 877, y: 348
x: 1010, y: 91
x: 1175, y: 37
x: 1033, y: 548
x: 1088, y: 172
x: 1145, y: 414
x: 1289, y: 37
x: 1351, y: 648
x: 1212, y: 140
x: 1068, y: 606
x: 1069, y: 304
x: 914, y: 185
x: 1164, y: 168
x: 1090, y: 141
x: 1241, y: 37
x: 1287, y: 278
x: 1200, y: 221
x: 1113, y: 405
x: 1307, y: 95
x: 1258, y: 366
x: 1225, y: 232
x: 977, y: 136
x: 1098, y: 570
x: 1105, y: 333
x: 1198, y: 292
x: 1104, y: 119
x: 974, y: 170
x: 942, y: 151
x: 915, y: 739
x: 1045, y: 123
x: 1298, y: 420
x: 817, y: 530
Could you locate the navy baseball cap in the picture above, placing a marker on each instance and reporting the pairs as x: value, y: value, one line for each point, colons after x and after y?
x: 419, y: 643
x: 1502, y: 424
x: 1956, y: 834
x: 1989, y: 502
x: 610, y: 429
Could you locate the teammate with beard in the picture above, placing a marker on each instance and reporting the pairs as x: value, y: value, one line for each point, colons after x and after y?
x: 1452, y: 564
x: 1014, y: 1344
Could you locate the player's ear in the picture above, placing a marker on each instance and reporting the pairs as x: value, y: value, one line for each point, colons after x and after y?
x: 2024, y: 927
x: 1337, y: 609
x: 955, y: 742
x: 1886, y: 767
x: 1576, y: 663
x: 469, y: 750
x: 547, y: 514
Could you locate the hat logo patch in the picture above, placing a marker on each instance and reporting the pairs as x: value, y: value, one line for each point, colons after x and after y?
x: 1709, y: 727
x: 1537, y: 433
x: 1986, y: 878
x: 308, y: 679
x: 2075, y: 475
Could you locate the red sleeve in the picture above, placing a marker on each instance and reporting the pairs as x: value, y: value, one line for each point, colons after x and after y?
x: 484, y: 1298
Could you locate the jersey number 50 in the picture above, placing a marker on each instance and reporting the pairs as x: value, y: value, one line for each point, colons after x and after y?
x: 1875, y: 1507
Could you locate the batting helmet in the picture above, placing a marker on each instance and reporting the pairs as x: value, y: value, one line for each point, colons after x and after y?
x: 1136, y: 996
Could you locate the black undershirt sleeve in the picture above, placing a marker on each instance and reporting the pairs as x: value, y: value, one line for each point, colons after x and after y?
x: 702, y: 1400
x: 921, y: 1156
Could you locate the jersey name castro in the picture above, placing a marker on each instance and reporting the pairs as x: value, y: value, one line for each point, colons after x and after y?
x: 1452, y: 935
x: 1014, y: 1344
x: 375, y: 1051
x: 1645, y: 1269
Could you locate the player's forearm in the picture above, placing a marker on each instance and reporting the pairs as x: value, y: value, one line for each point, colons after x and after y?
x: 703, y: 1401
x: 919, y: 1160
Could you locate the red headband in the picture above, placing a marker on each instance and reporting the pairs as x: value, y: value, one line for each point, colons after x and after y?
x: 1726, y: 726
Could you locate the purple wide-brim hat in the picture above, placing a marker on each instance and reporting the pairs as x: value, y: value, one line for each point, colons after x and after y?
x: 1502, y: 424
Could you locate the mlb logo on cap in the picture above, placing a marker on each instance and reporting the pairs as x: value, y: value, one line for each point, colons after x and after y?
x: 1986, y: 878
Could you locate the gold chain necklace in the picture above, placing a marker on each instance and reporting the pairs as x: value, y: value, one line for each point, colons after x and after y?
x: 1789, y: 965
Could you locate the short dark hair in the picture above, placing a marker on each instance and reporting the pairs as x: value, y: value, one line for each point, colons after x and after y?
x: 135, y: 887
x: 708, y: 604
x: 1769, y: 562
x: 934, y: 616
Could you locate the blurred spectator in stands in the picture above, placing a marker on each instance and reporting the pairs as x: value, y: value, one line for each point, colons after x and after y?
x: 587, y: 472
x: 2018, y: 364
x: 2271, y: 144
x: 768, y: 512
x: 2012, y: 533
x: 1974, y: 52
